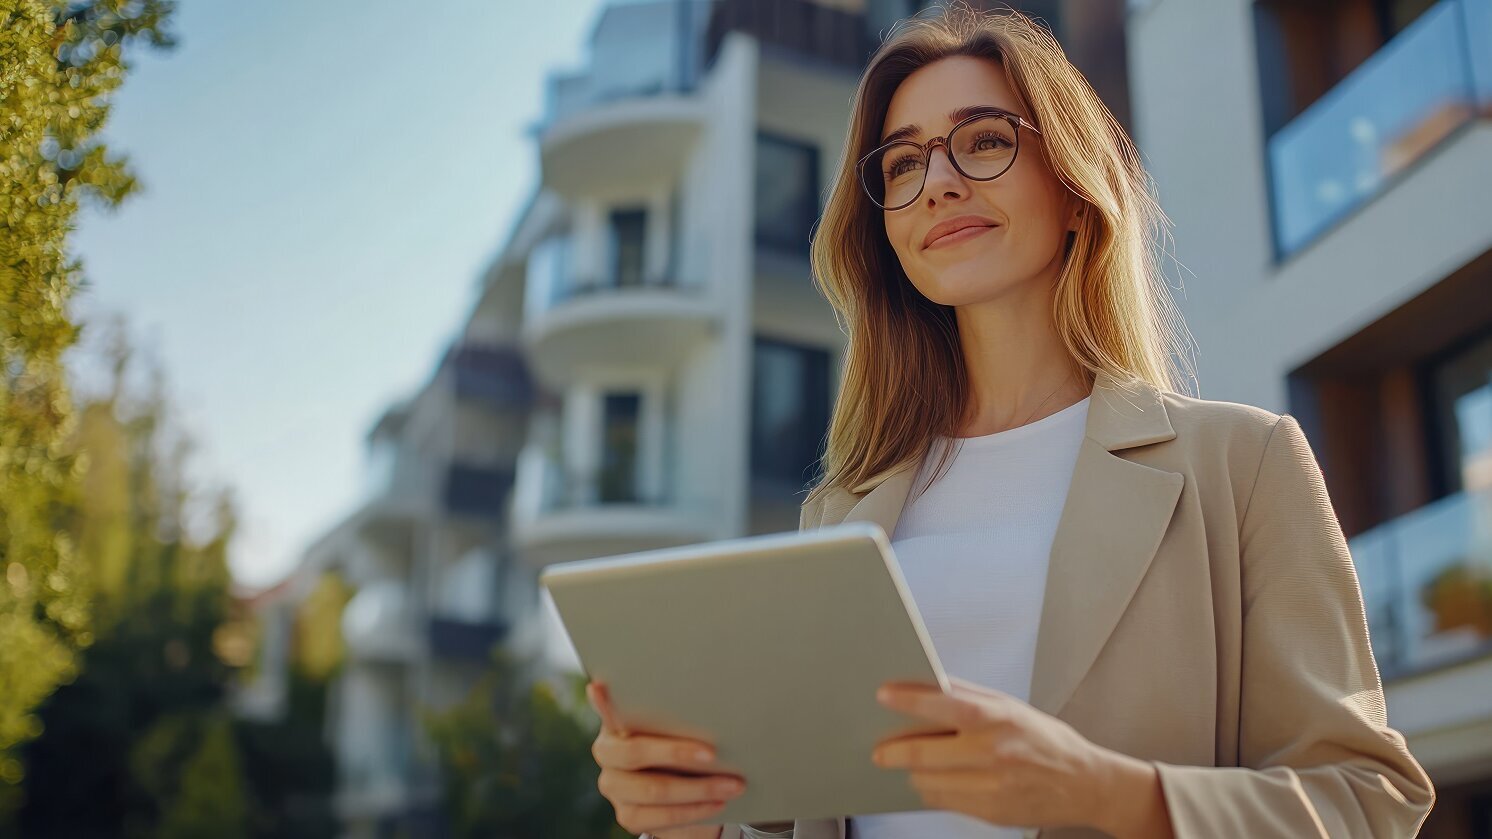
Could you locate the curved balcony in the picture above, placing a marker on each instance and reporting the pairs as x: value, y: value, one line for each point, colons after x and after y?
x: 560, y: 516
x: 653, y: 324
x: 625, y: 142
x: 378, y: 623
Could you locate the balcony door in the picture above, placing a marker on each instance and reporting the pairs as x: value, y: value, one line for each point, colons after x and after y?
x: 628, y: 236
x: 621, y: 435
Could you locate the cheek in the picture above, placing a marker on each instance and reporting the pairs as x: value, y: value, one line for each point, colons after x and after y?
x: 1033, y: 212
x: 898, y: 229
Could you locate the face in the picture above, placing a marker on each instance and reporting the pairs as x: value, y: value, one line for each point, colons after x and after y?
x: 1029, y: 208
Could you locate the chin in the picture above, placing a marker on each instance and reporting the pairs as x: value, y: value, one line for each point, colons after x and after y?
x: 961, y: 288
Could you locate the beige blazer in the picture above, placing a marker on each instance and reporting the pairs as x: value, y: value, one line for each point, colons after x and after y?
x: 1202, y: 612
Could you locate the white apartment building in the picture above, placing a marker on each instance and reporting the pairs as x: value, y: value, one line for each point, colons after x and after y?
x: 662, y: 275
x: 1328, y: 169
x: 423, y: 552
x: 664, y: 279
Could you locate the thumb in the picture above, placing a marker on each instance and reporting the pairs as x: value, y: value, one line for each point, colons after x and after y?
x: 601, y: 698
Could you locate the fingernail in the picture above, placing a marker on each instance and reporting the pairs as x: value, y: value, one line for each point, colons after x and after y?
x: 703, y: 754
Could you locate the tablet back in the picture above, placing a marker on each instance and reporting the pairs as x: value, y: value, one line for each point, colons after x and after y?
x: 771, y: 648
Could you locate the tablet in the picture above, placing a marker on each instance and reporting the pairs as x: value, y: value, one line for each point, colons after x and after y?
x: 768, y: 647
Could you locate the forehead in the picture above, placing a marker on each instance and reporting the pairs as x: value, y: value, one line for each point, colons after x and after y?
x: 926, y: 96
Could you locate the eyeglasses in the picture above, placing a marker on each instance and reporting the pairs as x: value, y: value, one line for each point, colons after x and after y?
x: 982, y: 147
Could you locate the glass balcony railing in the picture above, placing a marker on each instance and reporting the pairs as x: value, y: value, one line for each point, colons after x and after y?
x: 1427, y: 584
x: 476, y: 491
x: 1426, y: 82
x: 550, y: 284
x: 490, y: 374
x: 639, y: 49
x: 545, y: 484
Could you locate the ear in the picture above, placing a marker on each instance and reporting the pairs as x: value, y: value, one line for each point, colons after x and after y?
x: 1075, y: 216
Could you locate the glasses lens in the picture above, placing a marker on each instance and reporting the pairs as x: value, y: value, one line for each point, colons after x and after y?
x: 893, y: 174
x: 984, y: 149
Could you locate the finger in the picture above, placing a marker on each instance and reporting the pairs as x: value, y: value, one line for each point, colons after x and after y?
x: 653, y: 788
x: 643, y: 818
x: 646, y: 751
x: 602, y: 700
x: 949, y: 751
x: 930, y: 702
x: 958, y: 781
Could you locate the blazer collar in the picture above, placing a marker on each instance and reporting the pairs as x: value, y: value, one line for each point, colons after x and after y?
x: 1110, y: 527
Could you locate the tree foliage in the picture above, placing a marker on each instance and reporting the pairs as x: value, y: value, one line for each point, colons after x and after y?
x: 59, y: 62
x: 120, y: 744
x: 515, y: 759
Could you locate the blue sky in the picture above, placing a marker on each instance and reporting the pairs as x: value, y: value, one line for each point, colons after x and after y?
x: 322, y: 184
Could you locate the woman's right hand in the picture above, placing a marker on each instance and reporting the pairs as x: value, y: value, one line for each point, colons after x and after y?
x: 656, y: 783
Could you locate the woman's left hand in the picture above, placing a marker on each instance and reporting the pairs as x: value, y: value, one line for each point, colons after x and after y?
x: 1003, y: 761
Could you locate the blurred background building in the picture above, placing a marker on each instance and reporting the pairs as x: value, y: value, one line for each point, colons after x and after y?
x: 1328, y: 165
x: 649, y: 364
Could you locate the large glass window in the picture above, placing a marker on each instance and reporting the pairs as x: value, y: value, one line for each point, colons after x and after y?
x: 789, y: 412
x: 787, y: 192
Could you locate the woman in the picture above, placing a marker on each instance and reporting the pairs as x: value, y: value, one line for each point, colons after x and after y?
x: 1149, y: 610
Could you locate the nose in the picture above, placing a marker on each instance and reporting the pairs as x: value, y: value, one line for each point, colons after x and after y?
x: 943, y: 180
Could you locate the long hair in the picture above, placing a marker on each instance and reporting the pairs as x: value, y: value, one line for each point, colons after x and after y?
x: 904, y: 378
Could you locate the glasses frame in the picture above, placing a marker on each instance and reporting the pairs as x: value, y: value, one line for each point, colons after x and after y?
x: 1016, y: 121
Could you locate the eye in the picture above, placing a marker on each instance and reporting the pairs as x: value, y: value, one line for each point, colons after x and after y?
x: 902, y: 164
x: 992, y: 137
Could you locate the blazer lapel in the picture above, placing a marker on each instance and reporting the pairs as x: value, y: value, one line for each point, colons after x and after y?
x: 1109, y: 530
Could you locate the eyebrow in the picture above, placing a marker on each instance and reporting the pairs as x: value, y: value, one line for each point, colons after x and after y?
x: 955, y: 116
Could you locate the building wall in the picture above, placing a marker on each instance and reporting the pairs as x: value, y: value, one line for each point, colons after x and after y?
x: 1199, y: 125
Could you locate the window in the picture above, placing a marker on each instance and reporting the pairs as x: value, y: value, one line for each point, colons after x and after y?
x: 1462, y: 394
x: 789, y: 412
x: 787, y: 192
x: 619, y: 442
x: 628, y: 234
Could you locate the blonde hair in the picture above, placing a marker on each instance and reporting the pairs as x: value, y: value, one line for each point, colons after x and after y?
x: 904, y: 380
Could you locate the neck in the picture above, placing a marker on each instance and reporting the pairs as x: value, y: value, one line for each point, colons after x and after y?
x: 1018, y: 369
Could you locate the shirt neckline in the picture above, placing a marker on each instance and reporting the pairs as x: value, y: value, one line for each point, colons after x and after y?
x: 999, y: 437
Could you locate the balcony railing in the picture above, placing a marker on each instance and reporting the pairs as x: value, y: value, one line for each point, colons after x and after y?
x: 806, y: 28
x: 1425, y: 83
x: 639, y: 50
x: 455, y: 639
x: 1427, y: 584
x: 555, y: 290
x: 547, y: 485
x: 477, y: 491
x: 490, y: 374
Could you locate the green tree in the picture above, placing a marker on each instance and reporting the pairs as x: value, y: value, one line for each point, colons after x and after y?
x: 151, y: 683
x: 59, y: 63
x: 515, y: 759
x: 190, y: 767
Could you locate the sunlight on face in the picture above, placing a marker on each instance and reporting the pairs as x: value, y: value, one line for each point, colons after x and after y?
x: 1031, y: 209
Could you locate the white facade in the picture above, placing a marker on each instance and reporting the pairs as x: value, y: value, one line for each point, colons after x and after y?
x: 680, y: 338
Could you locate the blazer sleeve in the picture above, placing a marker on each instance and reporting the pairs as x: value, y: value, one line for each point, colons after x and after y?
x: 1317, y: 756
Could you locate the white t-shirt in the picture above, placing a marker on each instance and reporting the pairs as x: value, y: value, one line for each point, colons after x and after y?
x: 974, y: 549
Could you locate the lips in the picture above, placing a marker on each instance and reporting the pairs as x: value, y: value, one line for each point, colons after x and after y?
x: 953, y: 225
